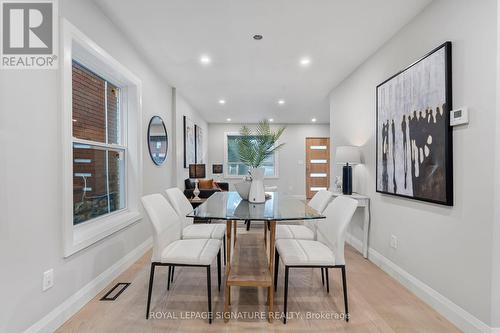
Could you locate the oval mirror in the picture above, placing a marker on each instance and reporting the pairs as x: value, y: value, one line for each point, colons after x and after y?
x: 157, y: 140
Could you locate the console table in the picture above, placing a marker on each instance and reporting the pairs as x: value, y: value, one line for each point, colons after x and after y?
x: 364, y: 203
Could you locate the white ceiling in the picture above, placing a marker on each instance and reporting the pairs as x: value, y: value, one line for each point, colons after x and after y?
x: 338, y: 35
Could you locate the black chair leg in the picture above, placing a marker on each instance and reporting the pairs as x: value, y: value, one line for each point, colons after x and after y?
x: 224, y: 245
x: 286, y: 294
x: 276, y: 268
x: 209, y: 290
x: 327, y: 280
x: 150, y: 289
x: 248, y: 224
x: 344, y: 286
x: 168, y: 278
x: 322, y: 276
x: 173, y: 270
x: 218, y: 269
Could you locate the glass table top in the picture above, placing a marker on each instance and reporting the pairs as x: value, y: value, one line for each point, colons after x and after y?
x: 230, y: 206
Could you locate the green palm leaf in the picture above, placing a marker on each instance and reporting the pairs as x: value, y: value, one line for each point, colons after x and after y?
x: 254, y: 147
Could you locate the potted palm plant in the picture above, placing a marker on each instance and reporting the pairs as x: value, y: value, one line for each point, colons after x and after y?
x: 254, y: 147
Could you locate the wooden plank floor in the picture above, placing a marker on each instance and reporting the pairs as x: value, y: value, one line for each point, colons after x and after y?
x: 377, y: 303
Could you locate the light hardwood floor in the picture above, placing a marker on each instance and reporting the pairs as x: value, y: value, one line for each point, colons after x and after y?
x: 377, y: 303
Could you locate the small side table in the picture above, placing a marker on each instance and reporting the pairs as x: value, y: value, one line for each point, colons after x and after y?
x: 196, y: 203
x: 363, y: 202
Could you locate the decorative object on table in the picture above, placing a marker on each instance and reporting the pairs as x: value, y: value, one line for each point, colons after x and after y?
x: 189, y: 142
x: 157, y: 140
x: 243, y: 188
x: 414, y: 137
x: 348, y: 156
x: 254, y: 147
x: 196, y: 171
x: 199, y: 144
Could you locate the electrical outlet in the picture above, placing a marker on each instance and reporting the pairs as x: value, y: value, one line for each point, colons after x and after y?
x: 394, y: 242
x: 48, y: 279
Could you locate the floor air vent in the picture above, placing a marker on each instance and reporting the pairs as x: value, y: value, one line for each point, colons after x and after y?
x: 115, y: 291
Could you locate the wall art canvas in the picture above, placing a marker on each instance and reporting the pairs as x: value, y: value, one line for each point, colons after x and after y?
x: 189, y: 142
x: 414, y: 138
x: 199, y: 144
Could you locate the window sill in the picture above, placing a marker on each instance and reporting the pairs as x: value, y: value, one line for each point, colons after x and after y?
x: 91, y: 232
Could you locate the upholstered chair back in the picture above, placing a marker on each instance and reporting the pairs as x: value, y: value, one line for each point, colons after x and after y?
x: 165, y: 222
x: 181, y: 205
x: 318, y: 202
x: 332, y: 230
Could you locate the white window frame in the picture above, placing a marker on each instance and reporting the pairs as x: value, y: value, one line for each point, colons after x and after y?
x: 226, y: 162
x: 77, y: 46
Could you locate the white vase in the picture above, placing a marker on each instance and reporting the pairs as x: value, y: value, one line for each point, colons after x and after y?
x: 257, y: 193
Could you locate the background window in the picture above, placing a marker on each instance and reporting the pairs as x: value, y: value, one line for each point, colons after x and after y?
x: 98, y: 156
x: 236, y: 168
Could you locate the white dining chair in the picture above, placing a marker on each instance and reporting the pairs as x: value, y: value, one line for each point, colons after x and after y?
x: 170, y: 250
x: 306, y: 230
x: 326, y: 252
x: 190, y: 230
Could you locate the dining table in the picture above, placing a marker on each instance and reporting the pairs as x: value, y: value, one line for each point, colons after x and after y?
x: 251, y: 264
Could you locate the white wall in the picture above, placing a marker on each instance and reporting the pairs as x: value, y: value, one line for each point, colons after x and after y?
x: 291, y: 157
x: 495, y: 262
x: 30, y: 178
x: 183, y: 108
x: 447, y: 248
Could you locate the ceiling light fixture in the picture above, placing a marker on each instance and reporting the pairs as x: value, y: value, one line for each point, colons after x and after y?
x: 281, y: 101
x: 304, y: 62
x: 222, y: 101
x: 313, y: 120
x: 257, y: 37
x: 228, y: 119
x: 205, y: 60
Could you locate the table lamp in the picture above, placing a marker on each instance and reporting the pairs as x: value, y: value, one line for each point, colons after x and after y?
x: 347, y: 156
x: 196, y: 171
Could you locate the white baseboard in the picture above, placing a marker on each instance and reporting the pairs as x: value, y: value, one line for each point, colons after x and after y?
x: 451, y: 311
x: 74, y: 303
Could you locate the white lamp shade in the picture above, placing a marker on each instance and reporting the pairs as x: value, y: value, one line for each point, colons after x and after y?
x: 348, y: 154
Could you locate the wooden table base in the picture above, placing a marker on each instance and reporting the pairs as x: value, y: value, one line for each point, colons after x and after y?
x: 251, y: 265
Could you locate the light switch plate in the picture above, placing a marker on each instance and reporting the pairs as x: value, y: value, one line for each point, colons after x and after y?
x: 48, y: 279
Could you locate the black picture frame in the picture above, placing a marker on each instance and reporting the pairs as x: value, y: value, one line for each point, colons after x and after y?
x: 447, y: 136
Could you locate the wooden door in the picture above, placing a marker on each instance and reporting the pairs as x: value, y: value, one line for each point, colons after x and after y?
x: 317, y: 165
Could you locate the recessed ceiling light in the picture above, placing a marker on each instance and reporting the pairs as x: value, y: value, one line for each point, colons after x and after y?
x: 281, y: 101
x: 228, y: 119
x: 271, y: 120
x: 306, y: 61
x: 313, y: 120
x: 205, y: 60
x: 257, y: 37
x: 222, y: 101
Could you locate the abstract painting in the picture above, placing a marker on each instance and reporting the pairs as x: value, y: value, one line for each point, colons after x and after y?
x: 414, y: 138
x: 199, y: 144
x: 189, y: 142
